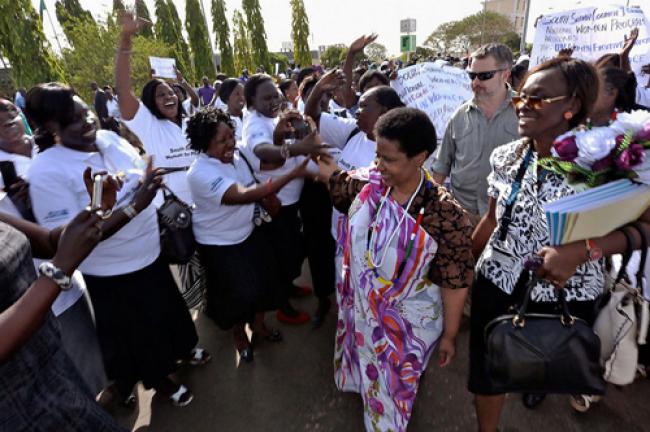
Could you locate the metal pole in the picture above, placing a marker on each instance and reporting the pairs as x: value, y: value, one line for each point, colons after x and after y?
x: 205, y: 18
x: 54, y: 30
x: 522, y: 44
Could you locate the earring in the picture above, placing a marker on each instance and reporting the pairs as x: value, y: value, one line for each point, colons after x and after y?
x: 568, y: 115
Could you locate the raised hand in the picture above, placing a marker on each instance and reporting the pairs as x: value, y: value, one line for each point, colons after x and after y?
x: 151, y: 182
x: 629, y: 41
x: 362, y: 42
x: 331, y: 81
x: 130, y: 23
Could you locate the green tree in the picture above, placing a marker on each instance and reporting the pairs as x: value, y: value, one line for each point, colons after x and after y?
x: 280, y: 59
x: 257, y: 34
x: 169, y: 31
x: 70, y: 13
x: 458, y: 37
x: 376, y: 52
x: 300, y: 33
x: 199, y: 39
x: 24, y: 45
x: 92, y: 58
x: 118, y: 5
x: 242, y: 44
x: 333, y: 56
x: 222, y: 35
x: 141, y: 11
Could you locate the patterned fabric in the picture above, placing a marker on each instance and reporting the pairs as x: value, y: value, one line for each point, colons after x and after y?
x: 41, y: 388
x: 193, y: 283
x: 390, y: 320
x: 502, y: 261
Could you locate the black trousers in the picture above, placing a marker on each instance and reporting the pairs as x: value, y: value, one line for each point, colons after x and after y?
x: 320, y: 247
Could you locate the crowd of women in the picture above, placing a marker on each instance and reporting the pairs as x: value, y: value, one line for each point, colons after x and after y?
x: 344, y: 185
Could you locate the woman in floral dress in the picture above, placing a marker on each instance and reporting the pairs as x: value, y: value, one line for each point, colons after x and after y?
x: 407, y: 265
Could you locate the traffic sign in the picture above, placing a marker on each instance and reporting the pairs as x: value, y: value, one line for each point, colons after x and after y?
x: 407, y: 43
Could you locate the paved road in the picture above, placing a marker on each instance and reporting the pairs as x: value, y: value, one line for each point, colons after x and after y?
x: 289, y: 387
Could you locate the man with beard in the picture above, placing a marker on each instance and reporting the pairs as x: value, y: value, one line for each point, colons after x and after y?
x: 481, y: 124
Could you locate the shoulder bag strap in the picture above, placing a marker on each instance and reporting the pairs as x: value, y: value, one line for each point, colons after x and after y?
x: 250, y: 167
x: 355, y: 131
x: 629, y: 241
x: 504, y: 223
x: 640, y: 274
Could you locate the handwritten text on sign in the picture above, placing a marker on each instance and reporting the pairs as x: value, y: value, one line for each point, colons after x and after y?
x: 163, y: 67
x: 434, y: 88
x: 592, y: 32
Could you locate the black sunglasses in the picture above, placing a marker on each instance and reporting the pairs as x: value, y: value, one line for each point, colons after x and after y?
x: 483, y: 76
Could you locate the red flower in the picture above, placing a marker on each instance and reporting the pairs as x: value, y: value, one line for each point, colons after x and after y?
x: 567, y: 149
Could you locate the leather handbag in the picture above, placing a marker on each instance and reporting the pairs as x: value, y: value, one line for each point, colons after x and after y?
x: 177, y: 241
x: 617, y: 324
x: 268, y: 207
x: 543, y: 353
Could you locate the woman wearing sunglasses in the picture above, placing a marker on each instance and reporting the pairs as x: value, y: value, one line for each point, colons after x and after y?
x: 555, y: 97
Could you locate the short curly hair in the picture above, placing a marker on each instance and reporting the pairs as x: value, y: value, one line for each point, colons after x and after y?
x: 203, y: 126
x: 411, y: 127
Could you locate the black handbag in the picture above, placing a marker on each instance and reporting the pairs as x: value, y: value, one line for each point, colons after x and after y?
x: 177, y: 243
x: 543, y: 353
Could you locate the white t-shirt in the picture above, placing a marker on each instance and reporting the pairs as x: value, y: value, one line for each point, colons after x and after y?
x: 215, y: 223
x: 358, y: 152
x: 258, y: 129
x: 58, y: 194
x: 67, y: 298
x: 113, y: 108
x: 643, y: 96
x: 167, y: 143
x: 239, y: 128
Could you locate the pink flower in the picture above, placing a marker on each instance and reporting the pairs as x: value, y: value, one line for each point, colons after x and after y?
x: 358, y: 337
x: 372, y: 372
x: 566, y: 149
x: 376, y: 405
x: 643, y: 134
x: 631, y: 156
x: 602, y: 164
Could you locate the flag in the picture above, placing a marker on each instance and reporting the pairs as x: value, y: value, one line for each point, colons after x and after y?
x: 41, y: 8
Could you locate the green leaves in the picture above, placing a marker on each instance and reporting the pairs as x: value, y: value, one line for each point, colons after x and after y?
x: 300, y: 33
x: 257, y: 34
x: 199, y: 39
x: 222, y: 35
x: 242, y: 45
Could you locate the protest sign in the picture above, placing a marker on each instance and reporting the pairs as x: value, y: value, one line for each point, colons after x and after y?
x: 592, y: 32
x: 163, y: 67
x: 435, y: 88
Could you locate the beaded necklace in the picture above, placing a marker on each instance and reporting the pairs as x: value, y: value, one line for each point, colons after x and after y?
x: 374, y: 228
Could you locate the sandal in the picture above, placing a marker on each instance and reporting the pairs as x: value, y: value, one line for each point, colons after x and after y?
x: 199, y: 357
x: 582, y: 403
x: 246, y: 354
x: 270, y: 335
x: 182, y: 397
x: 129, y: 401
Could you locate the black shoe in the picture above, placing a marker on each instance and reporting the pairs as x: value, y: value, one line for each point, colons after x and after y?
x: 246, y: 354
x: 531, y: 400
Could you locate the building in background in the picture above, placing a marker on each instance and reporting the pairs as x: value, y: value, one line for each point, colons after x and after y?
x: 513, y: 9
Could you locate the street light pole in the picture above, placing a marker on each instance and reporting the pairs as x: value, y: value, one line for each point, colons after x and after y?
x: 522, y: 44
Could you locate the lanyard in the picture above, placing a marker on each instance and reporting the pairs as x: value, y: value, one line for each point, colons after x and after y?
x: 510, y: 202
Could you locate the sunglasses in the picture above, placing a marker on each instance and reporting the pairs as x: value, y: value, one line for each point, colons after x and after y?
x: 534, y: 102
x: 483, y: 76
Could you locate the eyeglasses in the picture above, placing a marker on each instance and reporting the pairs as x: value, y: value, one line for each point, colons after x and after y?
x: 534, y: 102
x: 483, y: 76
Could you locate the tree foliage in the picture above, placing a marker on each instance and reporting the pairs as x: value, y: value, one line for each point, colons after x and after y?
x: 69, y: 13
x: 92, y: 58
x: 242, y: 44
x: 280, y: 59
x: 300, y: 33
x: 257, y: 34
x: 199, y: 39
x: 169, y: 30
x: 222, y: 35
x: 470, y: 32
x: 118, y: 5
x: 142, y: 11
x: 333, y: 56
x: 23, y: 44
x: 376, y: 52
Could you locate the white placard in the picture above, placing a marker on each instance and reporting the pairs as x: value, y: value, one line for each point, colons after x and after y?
x: 163, y: 67
x: 435, y: 88
x: 593, y: 32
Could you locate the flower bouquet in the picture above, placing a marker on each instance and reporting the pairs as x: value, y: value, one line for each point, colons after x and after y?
x: 589, y: 157
x: 609, y: 168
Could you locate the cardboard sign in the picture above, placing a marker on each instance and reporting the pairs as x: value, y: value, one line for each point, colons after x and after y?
x: 592, y: 32
x: 163, y: 67
x: 435, y: 88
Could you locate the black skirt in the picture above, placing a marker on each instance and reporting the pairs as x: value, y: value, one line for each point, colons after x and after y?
x: 490, y: 302
x: 286, y: 243
x: 241, y: 280
x: 143, y: 324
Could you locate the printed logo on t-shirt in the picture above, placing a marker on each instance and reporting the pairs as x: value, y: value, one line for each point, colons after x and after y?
x: 179, y: 152
x: 56, y: 215
x: 215, y: 184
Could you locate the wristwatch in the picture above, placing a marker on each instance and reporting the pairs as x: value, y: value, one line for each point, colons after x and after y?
x: 284, y: 151
x: 594, y: 253
x: 51, y: 271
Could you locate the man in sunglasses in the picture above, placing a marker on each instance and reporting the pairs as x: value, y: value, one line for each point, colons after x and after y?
x: 480, y: 125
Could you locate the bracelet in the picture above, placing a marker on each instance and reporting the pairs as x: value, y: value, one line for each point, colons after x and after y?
x: 284, y: 151
x: 107, y: 214
x: 130, y: 211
